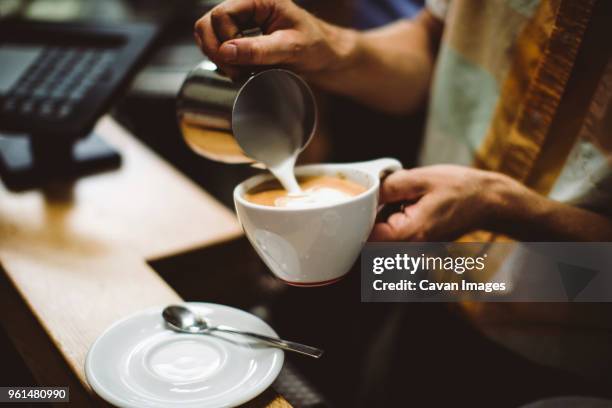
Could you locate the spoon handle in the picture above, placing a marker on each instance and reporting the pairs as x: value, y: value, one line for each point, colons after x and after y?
x: 273, y: 341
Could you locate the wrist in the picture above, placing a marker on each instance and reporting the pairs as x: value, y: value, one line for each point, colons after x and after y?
x: 347, y: 45
x: 514, y: 208
x: 343, y: 50
x: 505, y: 200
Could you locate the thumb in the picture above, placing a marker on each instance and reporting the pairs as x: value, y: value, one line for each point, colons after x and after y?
x: 403, y: 185
x: 269, y: 49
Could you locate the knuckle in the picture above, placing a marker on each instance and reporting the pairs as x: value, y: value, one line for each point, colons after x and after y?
x: 421, y: 235
x: 217, y: 12
x: 399, y: 175
x: 391, y: 189
x: 199, y: 25
x: 266, y: 3
x: 397, y: 227
x: 296, y: 47
x: 256, y: 53
x: 392, y: 233
x: 217, y: 15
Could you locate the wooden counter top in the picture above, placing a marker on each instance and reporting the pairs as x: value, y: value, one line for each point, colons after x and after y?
x: 74, y: 258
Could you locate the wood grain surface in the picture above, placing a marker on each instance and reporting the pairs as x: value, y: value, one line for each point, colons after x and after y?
x: 74, y: 256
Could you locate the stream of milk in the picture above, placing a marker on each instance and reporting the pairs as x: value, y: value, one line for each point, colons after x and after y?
x: 285, y: 174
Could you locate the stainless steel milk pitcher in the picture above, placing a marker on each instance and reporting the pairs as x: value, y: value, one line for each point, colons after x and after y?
x: 263, y: 118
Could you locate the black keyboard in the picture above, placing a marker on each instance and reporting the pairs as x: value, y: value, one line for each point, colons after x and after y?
x: 74, y: 72
x: 59, y: 79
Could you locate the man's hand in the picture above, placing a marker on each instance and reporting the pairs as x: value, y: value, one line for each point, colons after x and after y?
x: 444, y: 202
x: 388, y: 69
x: 292, y: 37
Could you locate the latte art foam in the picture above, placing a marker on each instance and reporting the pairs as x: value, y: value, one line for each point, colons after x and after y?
x: 312, y: 197
x: 315, y: 191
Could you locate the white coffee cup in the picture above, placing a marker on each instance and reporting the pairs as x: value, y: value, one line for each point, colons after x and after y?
x: 316, y: 245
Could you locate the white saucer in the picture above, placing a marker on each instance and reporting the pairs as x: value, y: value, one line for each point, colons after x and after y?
x: 138, y: 362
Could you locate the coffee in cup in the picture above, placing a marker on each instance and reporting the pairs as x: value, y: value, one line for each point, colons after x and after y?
x: 315, y: 191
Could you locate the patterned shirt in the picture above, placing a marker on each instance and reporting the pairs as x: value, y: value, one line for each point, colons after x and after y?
x: 524, y: 87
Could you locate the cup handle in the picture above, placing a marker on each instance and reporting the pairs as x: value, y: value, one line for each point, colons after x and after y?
x: 380, y: 167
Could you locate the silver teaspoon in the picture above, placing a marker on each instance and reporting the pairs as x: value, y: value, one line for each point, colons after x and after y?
x: 182, y: 319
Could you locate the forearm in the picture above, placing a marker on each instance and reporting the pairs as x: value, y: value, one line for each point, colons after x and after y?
x: 525, y: 215
x: 388, y: 69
